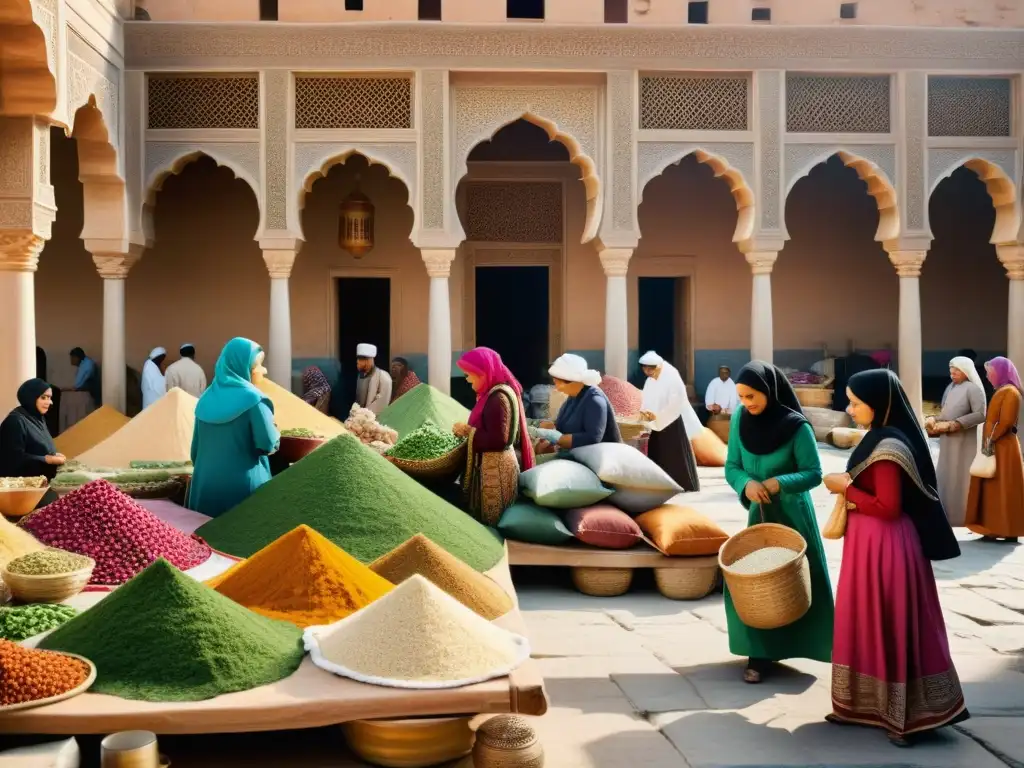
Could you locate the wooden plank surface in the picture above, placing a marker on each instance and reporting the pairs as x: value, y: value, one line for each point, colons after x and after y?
x: 582, y: 556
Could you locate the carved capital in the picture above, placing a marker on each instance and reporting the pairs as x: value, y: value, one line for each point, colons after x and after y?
x: 19, y: 250
x: 438, y: 261
x: 761, y: 262
x: 116, y: 266
x: 279, y: 262
x: 615, y: 261
x: 1012, y: 258
x: 908, y: 263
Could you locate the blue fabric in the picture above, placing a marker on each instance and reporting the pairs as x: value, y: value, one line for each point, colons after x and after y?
x: 231, y: 459
x: 86, y: 369
x: 589, y: 418
x: 232, y: 392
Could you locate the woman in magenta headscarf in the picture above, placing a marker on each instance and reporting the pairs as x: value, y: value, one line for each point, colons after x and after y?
x: 497, y: 425
x: 995, y: 505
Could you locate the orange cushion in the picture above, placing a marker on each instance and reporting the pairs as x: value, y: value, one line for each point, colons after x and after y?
x: 708, y: 449
x: 683, y: 531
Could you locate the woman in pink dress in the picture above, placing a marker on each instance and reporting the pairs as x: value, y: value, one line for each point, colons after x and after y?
x: 891, y: 666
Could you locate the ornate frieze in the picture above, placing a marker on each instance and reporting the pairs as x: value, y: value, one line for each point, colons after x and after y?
x: 89, y: 74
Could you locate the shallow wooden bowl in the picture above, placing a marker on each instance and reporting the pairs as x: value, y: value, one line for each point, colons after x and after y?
x: 18, y: 502
x: 47, y: 589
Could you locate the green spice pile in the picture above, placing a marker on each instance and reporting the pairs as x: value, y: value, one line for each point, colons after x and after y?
x: 358, y: 500
x: 160, y: 465
x: 301, y: 432
x: 419, y: 405
x: 164, y: 636
x: 426, y: 443
x: 49, y: 562
x: 21, y: 622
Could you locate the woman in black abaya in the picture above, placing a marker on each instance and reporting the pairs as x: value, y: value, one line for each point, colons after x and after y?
x: 26, y: 448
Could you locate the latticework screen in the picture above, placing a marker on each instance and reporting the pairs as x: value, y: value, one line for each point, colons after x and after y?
x: 838, y: 104
x: 353, y: 102
x: 195, y: 102
x: 694, y: 103
x: 970, y: 106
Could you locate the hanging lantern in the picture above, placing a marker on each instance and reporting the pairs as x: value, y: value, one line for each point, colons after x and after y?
x: 355, y: 227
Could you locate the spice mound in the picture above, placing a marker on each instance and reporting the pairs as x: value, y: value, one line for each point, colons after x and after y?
x: 90, y: 431
x: 425, y: 443
x: 302, y: 433
x: 762, y: 560
x: 626, y: 399
x: 419, y: 405
x: 49, y: 562
x: 303, y: 578
x: 123, y: 537
x: 30, y: 675
x: 164, y: 636
x: 22, y: 483
x: 358, y: 500
x: 416, y: 637
x: 20, y: 622
x: 419, y: 555
x: 292, y: 412
x: 15, y: 542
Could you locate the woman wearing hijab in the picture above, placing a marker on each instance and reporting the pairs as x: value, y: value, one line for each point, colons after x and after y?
x: 587, y: 416
x: 26, y: 448
x: 773, y: 464
x: 234, y: 432
x: 316, y: 389
x: 995, y: 506
x: 497, y: 424
x: 672, y: 419
x: 404, y: 378
x: 891, y: 666
x: 963, y: 410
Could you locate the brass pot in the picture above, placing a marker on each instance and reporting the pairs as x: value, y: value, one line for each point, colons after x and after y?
x: 412, y: 743
x: 131, y: 749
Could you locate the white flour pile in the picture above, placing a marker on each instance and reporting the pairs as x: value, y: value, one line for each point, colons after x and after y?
x: 162, y: 432
x: 416, y: 636
x: 292, y: 412
x: 763, y: 560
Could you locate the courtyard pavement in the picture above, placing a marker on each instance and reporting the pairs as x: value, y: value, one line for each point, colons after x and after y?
x: 640, y: 681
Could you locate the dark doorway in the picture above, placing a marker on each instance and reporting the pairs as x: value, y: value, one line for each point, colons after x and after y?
x: 512, y: 318
x: 364, y: 316
x: 662, y: 301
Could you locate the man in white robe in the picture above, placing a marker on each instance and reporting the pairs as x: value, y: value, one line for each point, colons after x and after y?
x: 672, y: 419
x: 373, y: 388
x: 186, y: 374
x: 154, y: 386
x: 720, y: 397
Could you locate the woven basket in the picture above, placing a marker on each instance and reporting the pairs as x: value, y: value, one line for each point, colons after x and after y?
x: 412, y: 743
x: 686, y: 583
x: 774, y: 598
x: 814, y: 397
x: 47, y: 589
x: 17, y: 502
x: 446, y: 467
x: 507, y: 741
x: 602, y: 582
x: 631, y: 430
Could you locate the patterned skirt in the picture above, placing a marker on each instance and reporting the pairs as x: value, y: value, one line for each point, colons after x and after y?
x: 491, y: 484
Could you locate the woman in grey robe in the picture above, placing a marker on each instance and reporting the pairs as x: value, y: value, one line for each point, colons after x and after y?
x: 963, y: 410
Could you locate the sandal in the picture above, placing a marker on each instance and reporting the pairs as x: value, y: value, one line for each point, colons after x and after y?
x: 754, y: 673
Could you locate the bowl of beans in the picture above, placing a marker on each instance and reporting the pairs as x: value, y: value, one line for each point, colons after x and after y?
x: 47, y: 576
x: 298, y: 444
x: 20, y: 495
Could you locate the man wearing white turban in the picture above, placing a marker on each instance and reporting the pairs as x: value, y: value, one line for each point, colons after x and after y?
x: 373, y: 388
x: 153, y: 384
x: 963, y: 410
x: 672, y: 419
x: 587, y: 417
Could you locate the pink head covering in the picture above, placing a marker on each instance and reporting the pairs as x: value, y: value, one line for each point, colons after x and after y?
x: 1002, y: 371
x: 882, y: 356
x: 487, y: 364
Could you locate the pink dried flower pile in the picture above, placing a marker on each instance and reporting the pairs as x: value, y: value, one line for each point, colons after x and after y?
x: 626, y: 399
x: 110, y: 527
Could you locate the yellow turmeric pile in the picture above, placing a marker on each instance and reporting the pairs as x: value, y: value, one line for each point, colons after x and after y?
x: 304, y: 578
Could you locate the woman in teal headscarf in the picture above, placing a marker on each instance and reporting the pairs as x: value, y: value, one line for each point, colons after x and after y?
x: 234, y: 432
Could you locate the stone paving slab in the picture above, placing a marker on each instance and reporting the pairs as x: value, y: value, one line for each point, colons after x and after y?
x: 1002, y: 736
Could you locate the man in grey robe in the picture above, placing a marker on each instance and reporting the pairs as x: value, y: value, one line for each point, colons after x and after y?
x: 373, y: 388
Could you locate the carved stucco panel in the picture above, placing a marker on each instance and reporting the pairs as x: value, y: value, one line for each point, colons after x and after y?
x: 769, y: 105
x: 622, y: 97
x: 275, y: 138
x: 653, y: 157
x: 433, y: 193
x: 942, y: 162
x: 398, y: 157
x: 16, y: 165
x: 84, y: 79
x: 802, y: 158
x: 44, y: 13
x: 916, y: 122
x: 243, y: 158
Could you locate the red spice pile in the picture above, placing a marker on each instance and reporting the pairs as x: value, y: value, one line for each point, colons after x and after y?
x: 626, y: 399
x: 120, y: 535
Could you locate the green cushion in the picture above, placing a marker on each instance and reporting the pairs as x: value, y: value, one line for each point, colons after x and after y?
x: 528, y: 522
x: 562, y: 484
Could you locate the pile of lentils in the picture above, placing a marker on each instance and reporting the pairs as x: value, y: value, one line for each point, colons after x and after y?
x: 21, y: 622
x: 29, y: 675
x: 426, y: 443
x: 101, y: 522
x: 49, y: 562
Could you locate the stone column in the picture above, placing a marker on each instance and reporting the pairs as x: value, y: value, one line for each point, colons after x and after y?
x: 114, y: 268
x: 908, y: 266
x: 615, y: 262
x: 439, y: 342
x: 19, y: 259
x: 279, y: 261
x: 1012, y: 257
x: 762, y: 340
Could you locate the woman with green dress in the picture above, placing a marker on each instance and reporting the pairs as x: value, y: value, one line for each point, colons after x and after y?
x: 234, y: 432
x: 773, y: 464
